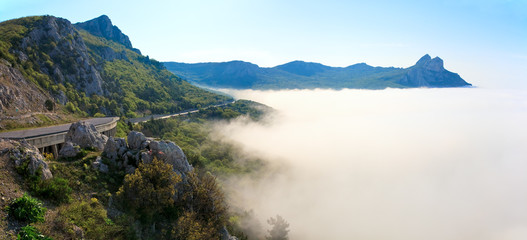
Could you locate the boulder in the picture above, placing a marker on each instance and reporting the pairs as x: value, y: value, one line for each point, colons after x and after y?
x: 225, y: 235
x: 143, y: 149
x: 172, y: 154
x: 69, y: 150
x: 114, y: 148
x: 135, y: 139
x: 85, y: 135
x: 99, y: 165
x: 28, y: 158
x: 147, y: 157
x: 129, y: 169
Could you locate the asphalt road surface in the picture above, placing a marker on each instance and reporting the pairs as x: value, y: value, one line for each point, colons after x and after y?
x: 162, y: 116
x: 35, y: 132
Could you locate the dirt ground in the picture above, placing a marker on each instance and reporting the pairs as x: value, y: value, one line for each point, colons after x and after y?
x: 10, y: 188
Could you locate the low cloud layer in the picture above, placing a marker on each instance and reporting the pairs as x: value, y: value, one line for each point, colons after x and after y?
x: 441, y: 164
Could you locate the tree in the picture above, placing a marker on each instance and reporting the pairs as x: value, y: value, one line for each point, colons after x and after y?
x: 149, y: 190
x: 203, y: 196
x: 279, y: 230
x: 188, y: 227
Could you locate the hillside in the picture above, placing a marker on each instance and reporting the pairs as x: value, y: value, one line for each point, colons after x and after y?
x: 427, y: 72
x: 52, y: 67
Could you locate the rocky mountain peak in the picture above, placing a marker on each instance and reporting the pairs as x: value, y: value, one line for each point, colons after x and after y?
x: 102, y: 27
x: 426, y: 62
x: 66, y: 48
x: 428, y: 72
x: 423, y: 60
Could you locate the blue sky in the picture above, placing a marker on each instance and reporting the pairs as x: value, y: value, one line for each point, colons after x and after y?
x: 485, y: 41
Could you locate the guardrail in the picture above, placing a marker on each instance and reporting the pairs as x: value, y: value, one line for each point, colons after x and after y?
x: 54, y: 138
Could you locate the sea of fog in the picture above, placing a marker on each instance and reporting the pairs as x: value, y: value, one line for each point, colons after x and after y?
x: 391, y: 164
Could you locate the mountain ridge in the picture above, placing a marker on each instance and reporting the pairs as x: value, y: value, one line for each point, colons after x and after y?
x: 427, y: 72
x: 69, y: 69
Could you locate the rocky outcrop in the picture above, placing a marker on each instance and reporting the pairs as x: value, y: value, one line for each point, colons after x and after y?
x: 115, y: 147
x: 225, y: 235
x: 99, y: 165
x: 69, y: 150
x: 28, y: 159
x: 172, y: 154
x: 141, y: 149
x: 103, y: 27
x: 68, y: 51
x: 428, y: 72
x: 135, y: 140
x: 17, y: 95
x: 84, y: 134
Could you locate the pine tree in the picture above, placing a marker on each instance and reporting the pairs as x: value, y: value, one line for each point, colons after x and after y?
x: 279, y: 230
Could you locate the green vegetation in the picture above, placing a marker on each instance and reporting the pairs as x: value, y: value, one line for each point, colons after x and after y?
x: 153, y: 202
x: 133, y: 84
x: 88, y: 216
x: 193, y: 134
x: 31, y: 233
x: 149, y: 191
x: 27, y: 209
x: 56, y: 189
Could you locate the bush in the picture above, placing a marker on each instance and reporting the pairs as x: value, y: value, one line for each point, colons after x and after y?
x: 188, y: 227
x: 149, y: 190
x: 27, y: 209
x: 30, y: 233
x: 91, y: 217
x: 49, y: 105
x: 55, y: 189
x: 202, y: 195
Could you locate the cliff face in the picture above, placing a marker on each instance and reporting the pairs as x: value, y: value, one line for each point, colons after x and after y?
x: 428, y: 72
x: 103, y: 27
x: 55, y: 45
x: 17, y: 94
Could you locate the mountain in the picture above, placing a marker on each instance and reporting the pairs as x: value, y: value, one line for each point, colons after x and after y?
x: 50, y: 66
x: 427, y: 72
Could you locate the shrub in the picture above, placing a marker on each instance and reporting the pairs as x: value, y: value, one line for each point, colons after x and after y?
x: 27, y: 209
x: 149, y: 190
x: 188, y: 227
x: 55, y: 189
x: 30, y: 233
x: 202, y: 195
x: 49, y: 105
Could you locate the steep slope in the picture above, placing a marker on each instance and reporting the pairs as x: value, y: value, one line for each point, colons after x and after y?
x: 88, y: 68
x: 298, y: 74
x: 103, y: 27
x: 430, y: 72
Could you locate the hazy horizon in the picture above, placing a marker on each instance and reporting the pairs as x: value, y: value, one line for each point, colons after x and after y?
x: 389, y: 164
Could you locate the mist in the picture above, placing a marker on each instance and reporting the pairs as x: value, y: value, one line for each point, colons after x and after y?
x: 388, y: 164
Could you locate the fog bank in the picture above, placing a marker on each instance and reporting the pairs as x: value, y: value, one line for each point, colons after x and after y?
x: 393, y: 164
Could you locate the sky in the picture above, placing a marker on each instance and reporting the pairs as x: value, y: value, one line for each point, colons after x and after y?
x: 482, y: 40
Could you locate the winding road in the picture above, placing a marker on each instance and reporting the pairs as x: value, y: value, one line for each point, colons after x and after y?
x: 163, y: 116
x: 44, y: 131
x: 54, y: 136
